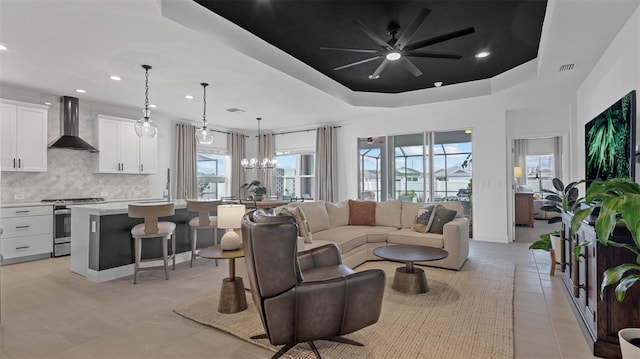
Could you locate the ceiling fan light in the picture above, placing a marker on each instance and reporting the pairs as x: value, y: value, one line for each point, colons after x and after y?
x: 393, y: 56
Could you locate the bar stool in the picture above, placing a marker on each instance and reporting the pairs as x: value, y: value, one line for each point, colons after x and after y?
x: 203, y: 221
x: 151, y: 228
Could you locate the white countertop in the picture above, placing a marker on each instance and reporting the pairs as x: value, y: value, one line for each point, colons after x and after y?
x: 120, y: 207
x: 25, y: 204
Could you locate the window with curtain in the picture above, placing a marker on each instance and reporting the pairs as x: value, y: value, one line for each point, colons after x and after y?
x: 540, y: 172
x: 295, y: 175
x: 213, y: 172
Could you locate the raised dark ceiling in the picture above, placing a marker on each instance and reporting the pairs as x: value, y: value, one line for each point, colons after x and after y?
x: 509, y: 29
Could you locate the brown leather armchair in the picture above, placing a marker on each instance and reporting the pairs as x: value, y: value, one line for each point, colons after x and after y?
x: 306, y: 296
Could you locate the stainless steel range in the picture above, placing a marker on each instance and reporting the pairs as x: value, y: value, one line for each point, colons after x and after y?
x: 62, y: 222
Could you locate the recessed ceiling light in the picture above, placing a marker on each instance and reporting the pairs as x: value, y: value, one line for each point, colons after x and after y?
x: 47, y: 103
x: 437, y: 83
x: 393, y: 56
x: 468, y: 130
x: 81, y: 91
x: 115, y: 78
x: 2, y: 47
x: 371, y: 77
x: 189, y: 97
x: 482, y: 54
x: 153, y: 106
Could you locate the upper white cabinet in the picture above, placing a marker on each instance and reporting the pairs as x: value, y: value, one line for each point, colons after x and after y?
x: 23, y: 138
x: 121, y: 150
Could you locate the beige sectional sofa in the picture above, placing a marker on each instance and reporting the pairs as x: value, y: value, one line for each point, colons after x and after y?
x: 329, y: 222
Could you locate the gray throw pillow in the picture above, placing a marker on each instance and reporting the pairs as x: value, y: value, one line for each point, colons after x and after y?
x: 424, y: 218
x: 441, y: 217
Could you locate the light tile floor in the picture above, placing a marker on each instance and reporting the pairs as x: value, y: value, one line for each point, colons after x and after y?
x: 47, y: 311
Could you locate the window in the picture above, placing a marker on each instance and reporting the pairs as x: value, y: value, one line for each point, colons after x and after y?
x: 295, y: 175
x: 540, y: 172
x: 212, y: 175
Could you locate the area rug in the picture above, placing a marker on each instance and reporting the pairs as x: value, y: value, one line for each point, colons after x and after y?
x: 465, y: 314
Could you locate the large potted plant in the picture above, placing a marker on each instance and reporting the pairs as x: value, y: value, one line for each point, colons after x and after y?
x: 561, y: 200
x: 618, y: 202
x: 255, y: 191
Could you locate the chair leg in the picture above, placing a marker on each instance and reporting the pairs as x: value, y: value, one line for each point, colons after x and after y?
x: 315, y: 350
x: 165, y: 255
x: 137, y: 253
x: 552, y: 253
x: 215, y: 240
x: 194, y: 239
x: 344, y: 340
x: 173, y: 249
x: 282, y: 350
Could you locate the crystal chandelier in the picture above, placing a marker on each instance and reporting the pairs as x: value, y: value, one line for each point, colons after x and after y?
x: 145, y: 127
x: 258, y: 163
x: 204, y: 135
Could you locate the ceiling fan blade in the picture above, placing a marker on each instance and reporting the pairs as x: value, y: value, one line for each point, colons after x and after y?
x: 434, y: 55
x: 410, y: 66
x: 358, y: 63
x: 441, y: 38
x: 366, y: 51
x: 379, y: 70
x: 372, y: 35
x: 406, y: 35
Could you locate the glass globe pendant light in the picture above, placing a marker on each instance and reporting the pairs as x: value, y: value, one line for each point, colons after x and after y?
x: 204, y: 135
x: 144, y: 127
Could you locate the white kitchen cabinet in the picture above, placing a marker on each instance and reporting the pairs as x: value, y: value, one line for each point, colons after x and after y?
x: 27, y: 233
x: 121, y: 150
x: 23, y: 138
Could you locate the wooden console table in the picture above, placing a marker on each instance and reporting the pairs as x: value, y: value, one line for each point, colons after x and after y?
x: 524, y: 209
x: 600, y: 319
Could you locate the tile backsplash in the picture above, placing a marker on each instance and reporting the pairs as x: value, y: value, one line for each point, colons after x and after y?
x: 69, y: 172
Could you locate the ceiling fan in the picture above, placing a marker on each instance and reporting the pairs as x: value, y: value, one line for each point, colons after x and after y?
x: 400, y: 49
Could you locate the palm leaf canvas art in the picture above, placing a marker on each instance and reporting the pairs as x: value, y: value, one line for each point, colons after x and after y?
x: 610, y: 142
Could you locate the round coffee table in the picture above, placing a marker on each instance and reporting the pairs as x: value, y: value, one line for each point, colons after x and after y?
x: 409, y: 279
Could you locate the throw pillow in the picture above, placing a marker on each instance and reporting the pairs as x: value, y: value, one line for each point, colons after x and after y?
x: 338, y: 213
x: 303, y: 225
x: 441, y: 217
x: 362, y: 213
x: 424, y: 218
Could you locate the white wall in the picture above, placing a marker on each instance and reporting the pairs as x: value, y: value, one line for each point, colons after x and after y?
x: 616, y: 73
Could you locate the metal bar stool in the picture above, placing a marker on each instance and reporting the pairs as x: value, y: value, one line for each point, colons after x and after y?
x: 151, y: 228
x: 203, y: 221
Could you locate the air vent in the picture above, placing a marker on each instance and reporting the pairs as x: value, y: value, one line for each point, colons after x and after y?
x: 233, y: 109
x: 566, y: 67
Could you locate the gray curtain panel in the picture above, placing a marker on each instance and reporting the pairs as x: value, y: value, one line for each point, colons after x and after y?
x: 186, y: 175
x: 520, y: 159
x: 557, y: 156
x: 268, y: 150
x: 236, y: 147
x: 326, y: 159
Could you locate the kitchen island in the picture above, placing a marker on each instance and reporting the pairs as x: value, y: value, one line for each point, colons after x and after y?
x: 101, y: 244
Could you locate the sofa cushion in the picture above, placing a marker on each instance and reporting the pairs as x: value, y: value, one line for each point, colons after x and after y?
x: 375, y: 234
x: 345, y: 237
x: 338, y: 213
x: 441, y: 217
x: 409, y: 213
x: 424, y: 218
x: 388, y: 213
x: 407, y: 236
x: 298, y: 214
x: 316, y: 213
x: 362, y: 213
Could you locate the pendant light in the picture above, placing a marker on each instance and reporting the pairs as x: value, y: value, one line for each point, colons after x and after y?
x: 259, y: 163
x: 144, y: 127
x: 204, y: 135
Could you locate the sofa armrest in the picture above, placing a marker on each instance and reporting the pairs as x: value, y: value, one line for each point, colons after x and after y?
x: 456, y: 239
x: 327, y: 255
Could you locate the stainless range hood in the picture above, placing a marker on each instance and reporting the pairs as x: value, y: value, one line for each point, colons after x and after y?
x: 69, y: 124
